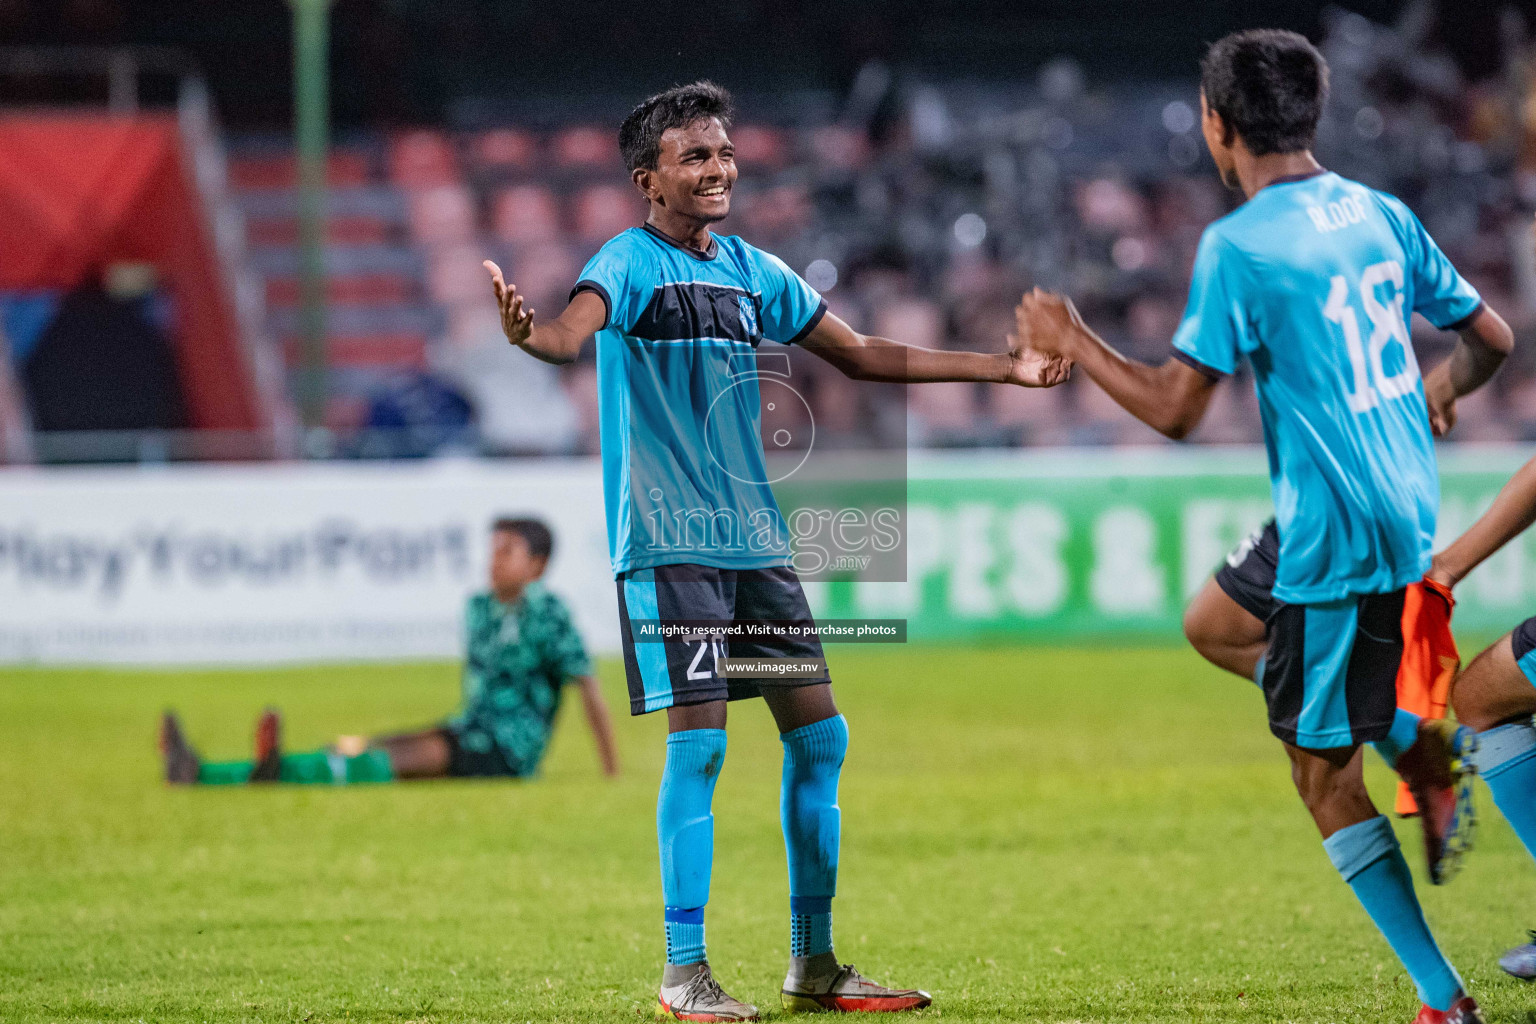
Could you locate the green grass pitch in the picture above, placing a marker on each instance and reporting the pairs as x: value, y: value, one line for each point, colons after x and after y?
x: 1031, y: 834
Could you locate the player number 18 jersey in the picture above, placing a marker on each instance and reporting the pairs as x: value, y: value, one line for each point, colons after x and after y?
x: 1313, y: 281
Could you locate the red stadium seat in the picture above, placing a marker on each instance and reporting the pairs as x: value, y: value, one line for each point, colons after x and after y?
x: 442, y: 215
x: 602, y: 211
x: 760, y: 146
x: 345, y: 413
x: 841, y: 148
x: 473, y: 320
x: 1041, y: 410
x: 778, y: 212
x: 910, y: 320
x: 585, y: 146
x: 510, y: 148
x: 359, y: 230
x: 349, y: 351
x: 837, y: 402
x: 949, y: 406
x: 455, y: 274
x: 421, y: 159
x: 280, y: 170
x: 580, y: 383
x: 379, y: 289
x: 545, y: 274
x: 525, y: 213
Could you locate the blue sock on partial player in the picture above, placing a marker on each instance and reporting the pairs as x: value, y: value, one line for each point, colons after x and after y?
x: 813, y: 760
x: 1506, y: 759
x: 1404, y: 734
x: 1368, y: 856
x: 685, y: 830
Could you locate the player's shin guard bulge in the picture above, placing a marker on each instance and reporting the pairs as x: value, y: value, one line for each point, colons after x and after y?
x: 685, y: 831
x: 1368, y: 856
x: 812, y: 821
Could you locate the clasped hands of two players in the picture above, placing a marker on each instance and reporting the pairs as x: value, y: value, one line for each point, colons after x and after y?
x: 1029, y: 366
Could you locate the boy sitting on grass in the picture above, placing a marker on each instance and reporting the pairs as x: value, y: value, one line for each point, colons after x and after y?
x: 521, y: 648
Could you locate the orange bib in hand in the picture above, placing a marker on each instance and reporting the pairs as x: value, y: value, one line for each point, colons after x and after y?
x: 1430, y: 661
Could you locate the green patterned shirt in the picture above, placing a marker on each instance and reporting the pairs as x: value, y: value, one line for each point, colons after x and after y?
x: 516, y: 660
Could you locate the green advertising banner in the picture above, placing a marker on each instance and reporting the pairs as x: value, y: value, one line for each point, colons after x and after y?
x: 1071, y: 545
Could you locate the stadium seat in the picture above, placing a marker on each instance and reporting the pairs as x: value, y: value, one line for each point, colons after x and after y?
x: 1101, y: 419
x: 1226, y: 419
x: 339, y: 230
x: 422, y: 159
x: 503, y: 149
x: 838, y: 402
x: 473, y: 321
x: 840, y: 148
x: 380, y: 288
x: 602, y: 211
x: 441, y: 215
x: 1036, y: 415
x: 345, y: 413
x: 775, y: 213
x: 525, y: 213
x: 911, y: 320
x: 585, y: 146
x: 943, y: 409
x: 402, y: 350
x: 759, y: 146
x: 455, y: 274
x: 545, y: 274
x: 580, y: 384
x: 269, y: 172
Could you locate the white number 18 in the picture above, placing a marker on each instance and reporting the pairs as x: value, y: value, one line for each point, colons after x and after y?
x: 1372, y: 385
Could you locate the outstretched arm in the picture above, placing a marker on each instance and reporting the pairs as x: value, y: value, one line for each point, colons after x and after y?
x: 596, y: 707
x: 1170, y: 398
x: 864, y: 357
x: 1485, y: 340
x: 558, y: 341
x: 1510, y: 514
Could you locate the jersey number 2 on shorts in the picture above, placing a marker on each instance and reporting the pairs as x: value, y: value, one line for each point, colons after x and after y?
x: 1372, y: 383
x: 696, y: 669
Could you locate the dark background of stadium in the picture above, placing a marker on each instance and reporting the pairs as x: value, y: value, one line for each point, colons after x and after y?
x: 405, y: 61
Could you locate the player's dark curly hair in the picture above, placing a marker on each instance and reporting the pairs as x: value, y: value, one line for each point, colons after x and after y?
x: 678, y: 107
x: 540, y: 541
x: 1268, y: 85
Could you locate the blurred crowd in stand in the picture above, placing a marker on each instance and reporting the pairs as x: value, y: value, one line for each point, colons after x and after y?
x: 920, y: 209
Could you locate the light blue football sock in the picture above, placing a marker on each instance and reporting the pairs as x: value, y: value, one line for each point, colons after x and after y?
x: 1368, y: 856
x: 1506, y: 759
x: 813, y: 760
x: 685, y: 830
x: 1404, y: 734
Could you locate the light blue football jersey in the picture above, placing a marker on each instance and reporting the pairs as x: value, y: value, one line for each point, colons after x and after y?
x: 684, y: 478
x: 1313, y: 281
